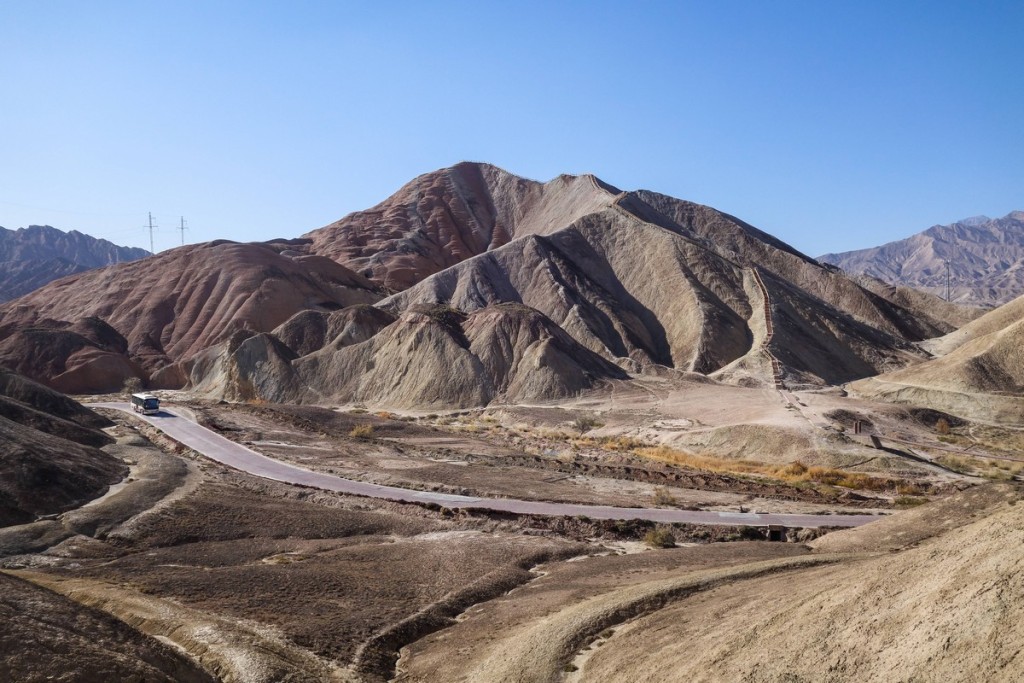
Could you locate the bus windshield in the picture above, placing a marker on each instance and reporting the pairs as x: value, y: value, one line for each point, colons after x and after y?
x: 151, y: 404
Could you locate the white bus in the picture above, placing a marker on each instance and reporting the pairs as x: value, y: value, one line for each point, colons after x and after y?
x: 147, y: 404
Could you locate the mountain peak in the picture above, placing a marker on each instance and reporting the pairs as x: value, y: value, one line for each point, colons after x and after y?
x: 975, y: 221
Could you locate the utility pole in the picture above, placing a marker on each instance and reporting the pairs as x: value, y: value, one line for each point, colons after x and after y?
x: 947, y: 279
x: 151, y: 226
x: 183, y: 228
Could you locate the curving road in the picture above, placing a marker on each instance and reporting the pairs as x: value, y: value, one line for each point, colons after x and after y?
x: 227, y: 452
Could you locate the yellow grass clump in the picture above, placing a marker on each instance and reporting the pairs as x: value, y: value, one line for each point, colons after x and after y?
x: 362, y: 432
x: 794, y: 472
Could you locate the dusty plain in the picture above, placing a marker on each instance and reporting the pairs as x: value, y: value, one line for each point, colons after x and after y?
x: 254, y: 580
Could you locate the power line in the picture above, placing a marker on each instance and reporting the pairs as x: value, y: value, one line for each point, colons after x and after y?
x: 151, y: 226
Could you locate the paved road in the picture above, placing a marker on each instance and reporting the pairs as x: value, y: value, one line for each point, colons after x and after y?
x: 227, y: 452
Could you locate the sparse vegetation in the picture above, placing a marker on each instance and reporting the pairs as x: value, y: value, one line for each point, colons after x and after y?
x: 132, y: 385
x: 955, y: 463
x: 362, y: 432
x: 621, y: 443
x: 942, y: 426
x: 663, y: 497
x: 660, y: 537
x: 584, y: 423
x: 793, y: 473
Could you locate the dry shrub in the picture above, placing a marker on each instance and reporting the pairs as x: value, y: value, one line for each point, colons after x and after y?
x: 794, y: 472
x: 621, y: 443
x: 662, y: 496
x: 385, y: 415
x: 585, y: 423
x: 794, y: 469
x: 132, y: 385
x: 955, y: 463
x: 661, y: 537
x: 362, y: 432
x: 942, y: 426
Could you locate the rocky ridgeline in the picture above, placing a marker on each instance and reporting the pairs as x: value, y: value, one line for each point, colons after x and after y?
x: 33, y: 256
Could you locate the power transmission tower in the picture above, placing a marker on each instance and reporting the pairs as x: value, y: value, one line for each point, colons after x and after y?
x: 949, y: 259
x: 151, y: 226
x: 183, y: 228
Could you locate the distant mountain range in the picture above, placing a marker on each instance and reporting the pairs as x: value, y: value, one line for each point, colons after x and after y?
x: 986, y: 260
x: 33, y: 256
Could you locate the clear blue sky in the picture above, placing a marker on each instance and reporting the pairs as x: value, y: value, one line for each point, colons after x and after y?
x: 833, y: 125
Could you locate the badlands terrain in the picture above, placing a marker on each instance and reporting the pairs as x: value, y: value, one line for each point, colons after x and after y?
x: 478, y: 340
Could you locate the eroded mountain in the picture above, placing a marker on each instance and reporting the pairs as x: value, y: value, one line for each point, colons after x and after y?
x: 501, y: 289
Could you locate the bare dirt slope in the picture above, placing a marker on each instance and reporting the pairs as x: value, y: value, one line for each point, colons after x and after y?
x: 46, y: 636
x: 44, y: 474
x: 49, y: 452
x: 986, y: 258
x: 146, y: 318
x: 949, y: 608
x: 980, y: 375
x: 429, y: 356
x: 941, y: 602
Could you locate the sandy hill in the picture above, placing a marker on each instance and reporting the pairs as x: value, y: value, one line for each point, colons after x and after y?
x: 49, y: 455
x: 922, y: 602
x: 30, y: 257
x: 514, y: 290
x: 147, y: 319
x: 986, y: 259
x: 644, y: 279
x: 979, y: 371
x: 428, y: 356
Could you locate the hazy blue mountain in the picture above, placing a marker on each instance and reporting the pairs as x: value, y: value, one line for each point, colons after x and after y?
x: 986, y: 260
x: 30, y: 257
